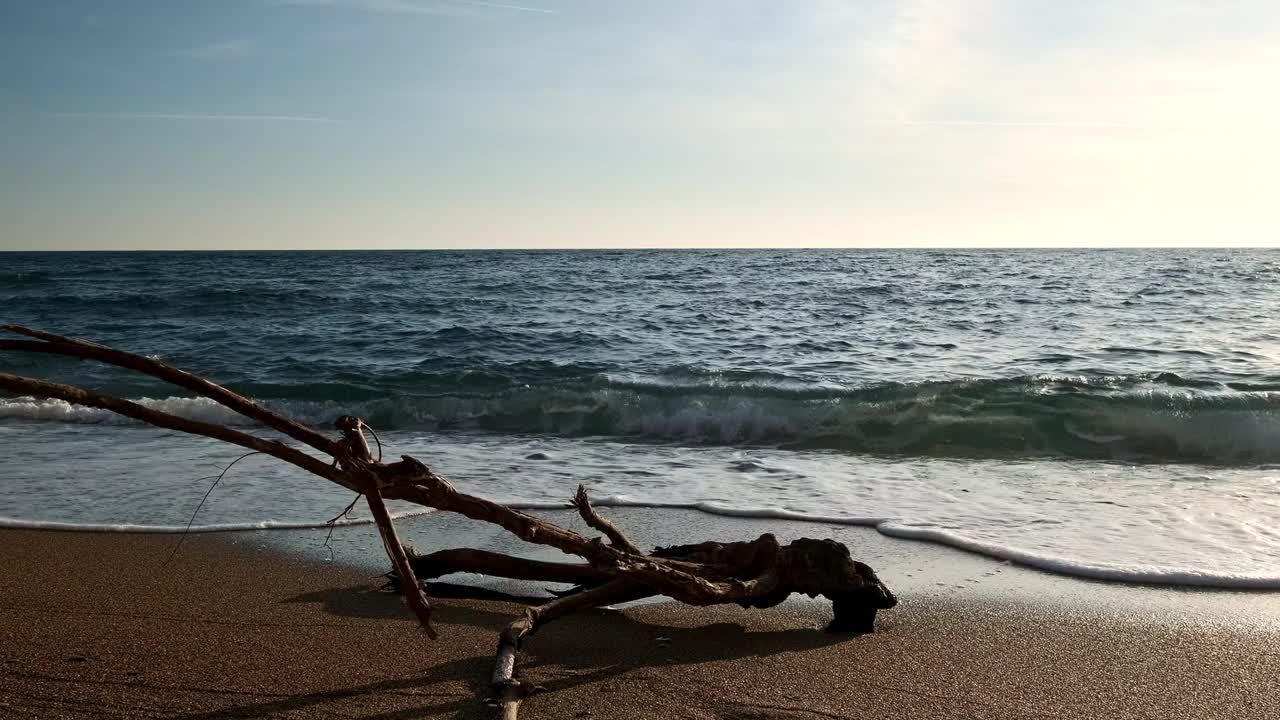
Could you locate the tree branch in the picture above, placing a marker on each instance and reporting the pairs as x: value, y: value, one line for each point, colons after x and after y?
x: 589, y: 515
x: 413, y: 595
x: 509, y: 691
x: 483, y: 562
x: 88, y: 398
x: 71, y: 347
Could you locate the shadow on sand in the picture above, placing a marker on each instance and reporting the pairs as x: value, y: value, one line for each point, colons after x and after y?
x: 565, y: 649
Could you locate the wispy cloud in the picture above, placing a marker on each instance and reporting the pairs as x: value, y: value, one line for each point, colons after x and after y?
x: 418, y: 7
x: 1049, y: 124
x: 217, y: 117
x: 224, y: 50
x: 503, y: 6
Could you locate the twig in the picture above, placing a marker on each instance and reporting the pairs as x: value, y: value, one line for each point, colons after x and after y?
x: 202, y: 501
x: 376, y: 439
x: 334, y: 523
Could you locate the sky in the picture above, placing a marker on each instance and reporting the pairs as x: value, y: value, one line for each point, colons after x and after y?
x: 173, y: 124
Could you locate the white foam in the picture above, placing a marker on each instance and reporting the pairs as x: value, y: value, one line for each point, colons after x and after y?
x: 45, y: 410
x: 898, y: 529
x: 1097, y: 571
x: 8, y: 522
x: 886, y: 526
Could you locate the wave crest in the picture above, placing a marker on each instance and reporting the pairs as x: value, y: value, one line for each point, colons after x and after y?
x: 1156, y: 418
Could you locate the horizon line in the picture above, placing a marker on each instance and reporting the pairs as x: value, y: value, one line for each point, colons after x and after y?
x: 657, y: 247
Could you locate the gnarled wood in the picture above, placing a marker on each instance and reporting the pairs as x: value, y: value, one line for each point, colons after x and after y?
x: 760, y: 573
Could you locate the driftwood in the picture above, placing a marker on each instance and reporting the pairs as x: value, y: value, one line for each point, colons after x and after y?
x: 757, y: 574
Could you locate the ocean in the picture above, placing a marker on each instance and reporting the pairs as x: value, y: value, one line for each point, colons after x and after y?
x: 1107, y: 414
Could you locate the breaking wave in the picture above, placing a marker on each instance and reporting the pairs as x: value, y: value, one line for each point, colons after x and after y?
x: 1156, y: 418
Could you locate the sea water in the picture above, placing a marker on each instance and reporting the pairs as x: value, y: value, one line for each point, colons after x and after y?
x: 1111, y: 414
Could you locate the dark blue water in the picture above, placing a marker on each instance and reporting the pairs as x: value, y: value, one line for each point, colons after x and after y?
x: 1138, y: 355
x: 830, y: 364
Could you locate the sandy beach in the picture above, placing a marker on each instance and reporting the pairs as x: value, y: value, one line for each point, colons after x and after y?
x: 961, y: 315
x: 100, y: 625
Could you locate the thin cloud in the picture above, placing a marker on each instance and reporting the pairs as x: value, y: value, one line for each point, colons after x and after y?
x: 1064, y: 125
x: 197, y: 117
x: 225, y: 50
x: 410, y: 7
x: 501, y: 6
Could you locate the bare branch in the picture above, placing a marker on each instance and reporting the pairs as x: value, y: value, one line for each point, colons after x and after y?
x: 413, y: 595
x: 88, y: 398
x: 582, y: 501
x: 509, y: 691
x: 71, y: 347
x: 483, y: 562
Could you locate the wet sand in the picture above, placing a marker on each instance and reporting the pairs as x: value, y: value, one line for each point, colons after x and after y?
x: 100, y: 626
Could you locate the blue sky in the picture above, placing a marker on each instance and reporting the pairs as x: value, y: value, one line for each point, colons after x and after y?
x: 586, y: 123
